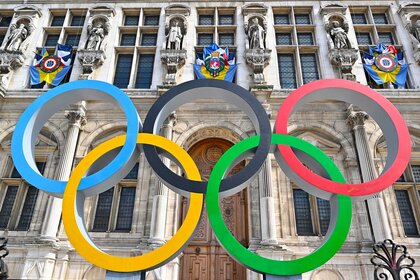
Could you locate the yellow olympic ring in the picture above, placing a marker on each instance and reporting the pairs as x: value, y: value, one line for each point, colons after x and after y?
x: 81, y: 241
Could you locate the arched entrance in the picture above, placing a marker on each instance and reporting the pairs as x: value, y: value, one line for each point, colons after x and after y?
x: 204, y: 258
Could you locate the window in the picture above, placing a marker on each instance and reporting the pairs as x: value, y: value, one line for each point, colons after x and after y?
x: 131, y: 20
x: 145, y: 70
x: 5, y: 21
x: 380, y: 18
x: 136, y: 50
x: 359, y: 18
x: 287, y: 71
x: 309, y: 67
x: 225, y: 19
x: 302, y: 19
x: 284, y: 39
x: 305, y: 38
x: 77, y: 20
x: 226, y: 39
x: 151, y: 20
x: 312, y: 214
x: 122, y: 75
x: 296, y: 46
x: 18, y: 201
x: 1, y: 38
x: 204, y: 39
x: 73, y: 40
x: 363, y: 38
x: 148, y: 39
x: 51, y: 40
x: 114, y: 207
x: 58, y: 20
x: 407, y: 195
x: 206, y: 20
x: 281, y: 19
x: 128, y: 40
x: 386, y: 38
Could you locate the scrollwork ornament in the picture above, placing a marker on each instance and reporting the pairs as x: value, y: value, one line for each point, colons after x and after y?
x: 392, y: 262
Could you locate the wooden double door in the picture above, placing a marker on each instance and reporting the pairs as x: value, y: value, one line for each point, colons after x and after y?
x: 204, y: 258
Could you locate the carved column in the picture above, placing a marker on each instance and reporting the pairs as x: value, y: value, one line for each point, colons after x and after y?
x: 376, y: 206
x: 160, y: 200
x: 268, y: 222
x: 76, y: 119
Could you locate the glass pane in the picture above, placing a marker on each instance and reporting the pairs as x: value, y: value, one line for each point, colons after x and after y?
x: 283, y: 39
x: 358, y: 18
x: 39, y: 164
x: 131, y: 20
x: 41, y: 85
x: 206, y: 20
x: 363, y: 38
x: 225, y: 20
x: 6, y: 208
x: 5, y: 21
x: 302, y: 213
x: 205, y: 39
x: 303, y: 19
x: 123, y: 70
x: 380, y: 18
x: 309, y: 68
x: 57, y: 21
x: 406, y: 212
x: 77, y: 20
x: 51, y: 40
x: 226, y: 39
x: 1, y: 38
x: 151, y: 20
x: 148, y: 39
x: 73, y: 40
x: 416, y: 172
x: 133, y: 172
x: 287, y: 70
x: 28, y: 209
x: 128, y: 40
x: 145, y: 70
x: 324, y: 214
x: 386, y: 38
x: 103, y: 210
x: 305, y: 39
x: 281, y: 19
x: 125, y: 209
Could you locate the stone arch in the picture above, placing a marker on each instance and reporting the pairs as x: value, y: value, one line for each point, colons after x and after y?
x: 86, y: 143
x: 327, y: 274
x: 225, y: 130
x: 93, y: 273
x: 329, y: 133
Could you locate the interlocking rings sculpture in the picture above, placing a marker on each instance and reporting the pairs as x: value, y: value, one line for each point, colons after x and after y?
x: 305, y: 165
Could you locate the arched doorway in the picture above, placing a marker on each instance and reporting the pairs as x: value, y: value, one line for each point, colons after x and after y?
x: 204, y: 258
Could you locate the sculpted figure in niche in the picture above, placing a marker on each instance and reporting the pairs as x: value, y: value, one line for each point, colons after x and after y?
x: 339, y: 36
x: 16, y: 37
x: 415, y: 31
x: 256, y: 35
x: 96, y: 36
x: 174, y: 36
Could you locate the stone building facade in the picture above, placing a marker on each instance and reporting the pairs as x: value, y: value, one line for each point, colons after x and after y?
x: 130, y: 45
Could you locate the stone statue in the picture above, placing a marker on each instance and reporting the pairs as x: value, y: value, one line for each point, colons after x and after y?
x: 16, y: 37
x: 339, y: 36
x: 96, y: 36
x: 256, y: 35
x: 174, y: 37
x: 415, y: 31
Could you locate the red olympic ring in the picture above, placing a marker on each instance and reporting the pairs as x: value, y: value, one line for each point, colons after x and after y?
x: 344, y: 90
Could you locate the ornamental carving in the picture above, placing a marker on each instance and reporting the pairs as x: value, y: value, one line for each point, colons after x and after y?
x: 410, y: 14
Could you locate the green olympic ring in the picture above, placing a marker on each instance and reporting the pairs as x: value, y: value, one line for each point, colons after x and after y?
x: 339, y: 223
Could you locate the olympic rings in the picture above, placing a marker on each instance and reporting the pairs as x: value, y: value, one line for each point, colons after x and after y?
x: 34, y: 117
x: 291, y: 161
x: 341, y: 212
x: 383, y: 112
x: 215, y: 89
x: 73, y: 204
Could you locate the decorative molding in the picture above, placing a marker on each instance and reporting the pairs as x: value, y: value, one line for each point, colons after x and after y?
x: 174, y: 60
x: 90, y: 60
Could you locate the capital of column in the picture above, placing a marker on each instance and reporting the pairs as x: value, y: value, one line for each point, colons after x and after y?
x: 77, y: 115
x: 356, y: 118
x: 171, y: 120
